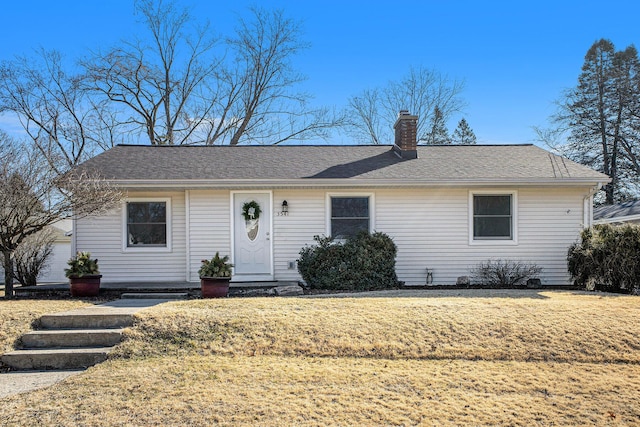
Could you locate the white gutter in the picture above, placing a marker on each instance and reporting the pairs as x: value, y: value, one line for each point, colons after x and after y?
x: 347, y: 183
x: 187, y: 215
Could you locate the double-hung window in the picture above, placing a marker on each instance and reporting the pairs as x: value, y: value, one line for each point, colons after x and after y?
x: 349, y: 215
x: 493, y: 216
x: 147, y: 223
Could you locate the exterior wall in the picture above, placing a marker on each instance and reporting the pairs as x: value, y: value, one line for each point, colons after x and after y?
x: 306, y: 218
x: 209, y: 227
x: 103, y: 237
x: 431, y: 229
x: 429, y: 226
x: 209, y: 223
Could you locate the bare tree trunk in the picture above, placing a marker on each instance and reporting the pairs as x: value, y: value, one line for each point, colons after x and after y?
x: 7, y: 264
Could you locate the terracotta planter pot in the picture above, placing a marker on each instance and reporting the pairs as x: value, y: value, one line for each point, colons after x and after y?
x: 85, y: 286
x: 214, y: 287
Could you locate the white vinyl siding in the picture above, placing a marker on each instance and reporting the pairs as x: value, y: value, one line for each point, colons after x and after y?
x: 103, y: 237
x: 305, y: 219
x: 209, y: 224
x: 209, y: 221
x: 430, y: 227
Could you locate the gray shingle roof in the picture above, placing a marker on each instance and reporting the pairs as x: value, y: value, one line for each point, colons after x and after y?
x: 376, y: 165
x: 631, y: 208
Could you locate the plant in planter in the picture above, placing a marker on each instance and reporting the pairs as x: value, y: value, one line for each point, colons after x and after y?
x: 215, y: 275
x: 84, y: 276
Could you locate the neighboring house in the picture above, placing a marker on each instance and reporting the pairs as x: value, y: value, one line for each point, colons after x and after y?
x: 622, y: 213
x: 61, y: 253
x: 57, y: 262
x: 447, y: 208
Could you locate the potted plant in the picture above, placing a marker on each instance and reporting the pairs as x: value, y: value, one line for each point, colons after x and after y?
x: 215, y: 275
x: 84, y: 276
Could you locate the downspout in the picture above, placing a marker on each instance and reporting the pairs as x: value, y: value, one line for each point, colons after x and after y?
x: 187, y: 209
x: 74, y: 236
x: 587, y: 209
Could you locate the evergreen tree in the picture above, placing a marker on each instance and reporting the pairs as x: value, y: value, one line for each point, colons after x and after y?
x: 602, y: 116
x: 463, y: 134
x: 438, y: 133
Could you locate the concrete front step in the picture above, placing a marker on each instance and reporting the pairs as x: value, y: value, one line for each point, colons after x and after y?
x: 86, y: 320
x: 77, y: 338
x: 155, y: 295
x: 67, y: 358
x: 71, y: 338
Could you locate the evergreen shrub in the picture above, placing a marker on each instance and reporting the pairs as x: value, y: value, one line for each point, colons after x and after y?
x: 361, y: 263
x: 606, y: 258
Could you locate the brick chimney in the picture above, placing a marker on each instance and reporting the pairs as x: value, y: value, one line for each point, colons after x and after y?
x: 406, y: 142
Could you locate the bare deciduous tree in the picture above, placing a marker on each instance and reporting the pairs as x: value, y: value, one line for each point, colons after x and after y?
x: 365, y: 122
x: 32, y: 256
x: 164, y: 84
x: 63, y: 121
x: 372, y: 113
x: 269, y: 109
x: 33, y: 196
x: 185, y: 87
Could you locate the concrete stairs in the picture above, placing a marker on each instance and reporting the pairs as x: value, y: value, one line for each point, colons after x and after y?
x: 55, y: 358
x: 72, y: 338
x: 68, y: 341
x: 76, y: 339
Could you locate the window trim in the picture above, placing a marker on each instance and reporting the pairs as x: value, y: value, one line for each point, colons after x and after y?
x: 125, y: 238
x: 329, y: 196
x: 514, y: 218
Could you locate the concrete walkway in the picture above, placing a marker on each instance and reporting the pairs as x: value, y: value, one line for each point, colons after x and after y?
x: 19, y: 382
x: 119, y: 306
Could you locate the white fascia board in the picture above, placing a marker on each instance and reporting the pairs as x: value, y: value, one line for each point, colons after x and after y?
x: 347, y: 183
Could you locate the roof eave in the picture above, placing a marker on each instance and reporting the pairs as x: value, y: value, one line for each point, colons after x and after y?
x: 351, y: 183
x: 615, y: 219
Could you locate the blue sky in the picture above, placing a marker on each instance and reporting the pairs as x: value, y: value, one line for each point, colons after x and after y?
x: 516, y: 57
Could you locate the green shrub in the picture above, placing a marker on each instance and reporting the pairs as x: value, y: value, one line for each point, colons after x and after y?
x: 504, y: 273
x: 362, y: 263
x: 606, y: 258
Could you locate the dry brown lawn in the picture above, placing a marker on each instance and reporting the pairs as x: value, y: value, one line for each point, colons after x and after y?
x: 516, y: 358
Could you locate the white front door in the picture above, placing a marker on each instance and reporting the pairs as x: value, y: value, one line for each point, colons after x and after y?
x: 252, y: 237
